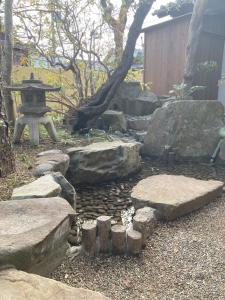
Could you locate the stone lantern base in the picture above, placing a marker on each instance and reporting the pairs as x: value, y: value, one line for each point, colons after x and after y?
x: 33, y: 123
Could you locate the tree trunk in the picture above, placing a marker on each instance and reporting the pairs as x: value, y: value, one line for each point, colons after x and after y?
x: 84, y: 116
x: 7, y: 160
x: 7, y: 62
x: 118, y: 39
x: 193, y: 41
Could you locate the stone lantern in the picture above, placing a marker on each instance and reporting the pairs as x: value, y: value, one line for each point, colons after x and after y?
x: 33, y: 108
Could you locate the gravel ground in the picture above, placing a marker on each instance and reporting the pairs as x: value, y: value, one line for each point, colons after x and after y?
x: 184, y: 259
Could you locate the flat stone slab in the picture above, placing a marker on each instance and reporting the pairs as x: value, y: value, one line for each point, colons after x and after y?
x: 43, y: 187
x: 114, y: 120
x: 103, y: 161
x: 51, y: 161
x: 174, y: 196
x: 139, y: 123
x: 17, y: 285
x: 33, y: 233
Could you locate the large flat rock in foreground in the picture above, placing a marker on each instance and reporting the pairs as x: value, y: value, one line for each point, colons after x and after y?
x: 174, y: 196
x: 103, y: 161
x: 17, y: 285
x: 33, y: 233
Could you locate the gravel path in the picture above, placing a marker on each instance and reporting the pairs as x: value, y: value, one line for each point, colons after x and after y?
x: 184, y: 259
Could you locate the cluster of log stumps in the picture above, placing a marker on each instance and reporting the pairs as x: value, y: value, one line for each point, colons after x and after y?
x: 101, y: 236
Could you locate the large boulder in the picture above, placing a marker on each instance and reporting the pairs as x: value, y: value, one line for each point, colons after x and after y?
x: 103, y: 161
x: 18, y: 285
x: 174, y: 196
x: 131, y: 99
x: 33, y: 233
x: 188, y: 127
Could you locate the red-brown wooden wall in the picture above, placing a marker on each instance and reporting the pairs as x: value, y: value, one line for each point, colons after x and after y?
x: 165, y: 48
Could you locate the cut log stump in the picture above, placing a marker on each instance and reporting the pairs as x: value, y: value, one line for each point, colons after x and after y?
x: 119, y: 239
x: 104, y: 228
x: 140, y: 224
x: 89, y: 232
x: 134, y: 242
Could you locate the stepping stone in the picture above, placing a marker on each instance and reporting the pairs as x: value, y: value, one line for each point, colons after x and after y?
x: 174, y: 196
x: 103, y: 161
x: 18, y: 285
x: 43, y: 187
x: 33, y: 233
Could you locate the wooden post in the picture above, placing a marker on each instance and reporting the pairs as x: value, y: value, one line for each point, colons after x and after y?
x: 140, y: 224
x: 89, y: 231
x: 134, y: 242
x: 104, y: 227
x: 119, y: 239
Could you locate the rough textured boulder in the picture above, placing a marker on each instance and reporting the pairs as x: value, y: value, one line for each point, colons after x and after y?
x: 131, y: 99
x: 189, y: 127
x: 174, y: 196
x: 42, y: 187
x: 103, y: 161
x: 17, y: 285
x: 33, y: 233
x: 114, y: 120
x: 139, y: 123
x: 51, y: 161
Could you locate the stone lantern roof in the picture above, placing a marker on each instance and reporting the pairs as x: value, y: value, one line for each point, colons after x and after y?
x: 33, y: 85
